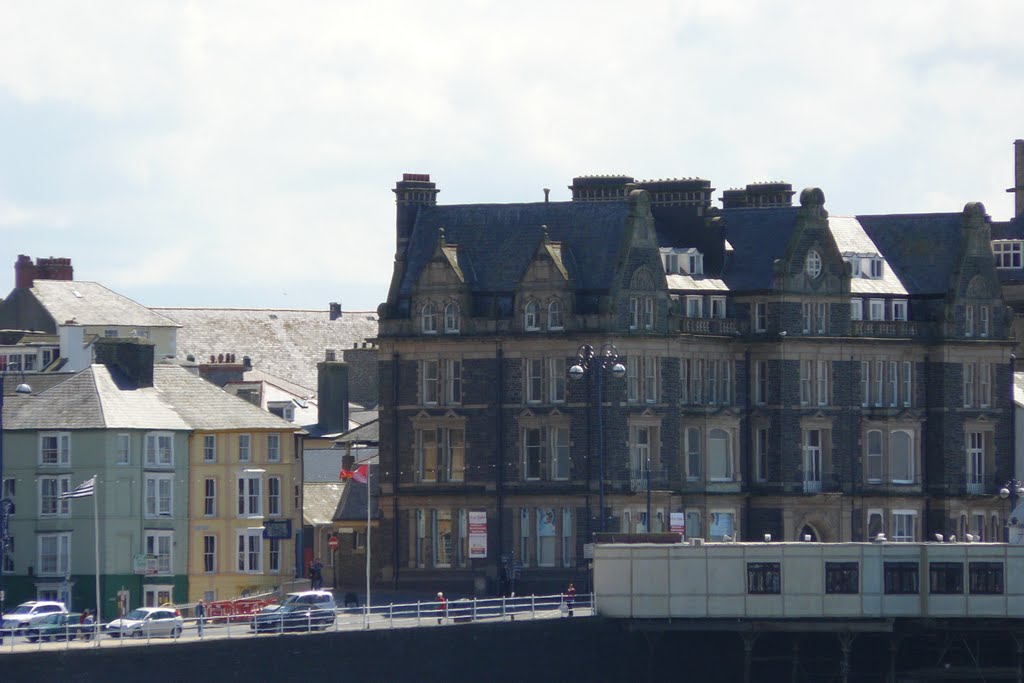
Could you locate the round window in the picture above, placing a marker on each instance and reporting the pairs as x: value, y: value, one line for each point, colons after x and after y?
x: 813, y: 263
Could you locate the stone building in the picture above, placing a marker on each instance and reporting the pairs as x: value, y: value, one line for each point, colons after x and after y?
x: 787, y: 374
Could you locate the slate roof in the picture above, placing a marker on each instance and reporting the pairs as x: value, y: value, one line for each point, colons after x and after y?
x: 353, y: 499
x: 320, y: 502
x: 496, y: 242
x: 758, y: 236
x: 921, y: 249
x: 89, y: 303
x: 286, y: 343
x: 101, y: 398
x: 702, y: 284
x: 850, y: 237
x: 367, y: 433
x: 321, y: 464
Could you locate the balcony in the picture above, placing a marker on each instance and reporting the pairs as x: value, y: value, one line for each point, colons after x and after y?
x: 886, y: 328
x: 812, y: 486
x: 719, y: 326
x: 658, y: 479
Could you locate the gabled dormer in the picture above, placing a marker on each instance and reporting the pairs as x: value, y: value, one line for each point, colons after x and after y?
x: 974, y: 307
x: 544, y: 294
x: 812, y: 262
x: 441, y: 296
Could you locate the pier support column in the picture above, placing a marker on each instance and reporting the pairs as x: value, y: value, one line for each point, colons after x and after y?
x: 748, y: 648
x: 845, y: 645
x: 795, y: 676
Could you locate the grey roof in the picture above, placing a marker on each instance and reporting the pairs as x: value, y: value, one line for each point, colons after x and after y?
x: 286, y: 343
x: 699, y: 284
x: 921, y: 249
x: 496, y: 242
x: 354, y: 497
x: 322, y: 464
x: 367, y: 433
x: 100, y: 398
x: 320, y: 502
x: 758, y: 236
x: 89, y: 303
x: 850, y: 238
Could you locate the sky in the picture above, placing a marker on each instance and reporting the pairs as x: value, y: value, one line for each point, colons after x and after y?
x: 242, y: 154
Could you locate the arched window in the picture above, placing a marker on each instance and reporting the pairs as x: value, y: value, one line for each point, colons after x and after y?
x: 555, y: 321
x: 531, y: 316
x: 451, y: 318
x: 901, y: 457
x: 719, y: 455
x: 429, y: 318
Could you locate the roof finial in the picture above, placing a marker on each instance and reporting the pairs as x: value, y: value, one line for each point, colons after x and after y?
x: 440, y: 236
x: 547, y: 238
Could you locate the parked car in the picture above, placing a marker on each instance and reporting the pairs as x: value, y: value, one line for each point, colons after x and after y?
x: 59, y: 626
x: 303, y: 611
x: 147, y: 622
x: 28, y: 613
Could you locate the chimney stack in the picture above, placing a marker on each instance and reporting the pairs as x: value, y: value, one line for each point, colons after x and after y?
x: 335, y: 310
x: 26, y: 273
x: 133, y: 357
x: 412, y: 191
x: 332, y: 396
x: 1018, y: 178
x: 547, y: 193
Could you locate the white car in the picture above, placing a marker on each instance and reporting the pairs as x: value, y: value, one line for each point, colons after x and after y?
x: 28, y: 613
x: 147, y: 622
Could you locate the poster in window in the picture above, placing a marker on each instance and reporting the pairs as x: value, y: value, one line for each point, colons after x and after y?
x: 477, y: 533
x: 546, y: 522
x: 721, y: 525
x: 678, y: 522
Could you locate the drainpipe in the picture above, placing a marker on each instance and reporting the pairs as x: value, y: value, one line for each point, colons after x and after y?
x: 749, y: 445
x: 499, y: 454
x: 395, y: 479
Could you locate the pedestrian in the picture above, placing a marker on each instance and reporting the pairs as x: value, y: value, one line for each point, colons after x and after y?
x: 570, y: 596
x: 316, y: 574
x: 442, y: 607
x: 86, y: 628
x: 81, y: 619
x: 200, y: 616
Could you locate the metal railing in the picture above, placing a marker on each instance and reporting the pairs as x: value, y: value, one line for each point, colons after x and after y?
x: 404, y: 615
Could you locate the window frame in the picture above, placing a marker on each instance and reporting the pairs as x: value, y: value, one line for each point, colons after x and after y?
x: 153, y: 502
x: 428, y: 318
x: 155, y: 450
x: 764, y: 578
x: 452, y: 318
x: 61, y: 451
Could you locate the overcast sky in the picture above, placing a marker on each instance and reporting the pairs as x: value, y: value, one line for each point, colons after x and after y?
x: 243, y: 153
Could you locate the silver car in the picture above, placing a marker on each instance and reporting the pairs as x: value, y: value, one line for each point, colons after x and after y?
x: 147, y: 622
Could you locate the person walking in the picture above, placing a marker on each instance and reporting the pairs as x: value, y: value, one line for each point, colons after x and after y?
x: 200, y: 616
x: 442, y: 607
x: 570, y: 597
x: 316, y: 574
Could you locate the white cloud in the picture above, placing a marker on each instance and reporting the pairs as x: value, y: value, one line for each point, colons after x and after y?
x: 250, y: 142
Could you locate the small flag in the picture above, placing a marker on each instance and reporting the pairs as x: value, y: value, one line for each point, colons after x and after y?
x: 360, y: 474
x: 83, y: 490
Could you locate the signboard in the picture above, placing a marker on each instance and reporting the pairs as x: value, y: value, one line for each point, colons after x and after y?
x: 277, y: 528
x: 333, y: 542
x: 588, y: 551
x: 144, y: 564
x: 477, y: 533
x: 677, y: 522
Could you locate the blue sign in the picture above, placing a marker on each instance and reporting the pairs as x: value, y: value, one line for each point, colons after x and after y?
x: 277, y: 528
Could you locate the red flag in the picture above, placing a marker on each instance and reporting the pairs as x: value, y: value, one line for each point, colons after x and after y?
x: 360, y: 474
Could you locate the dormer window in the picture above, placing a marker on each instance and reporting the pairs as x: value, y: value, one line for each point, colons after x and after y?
x: 555, y: 318
x: 531, y: 316
x: 1007, y: 253
x: 876, y: 268
x: 451, y: 318
x: 868, y: 265
x: 682, y: 261
x: 428, y: 318
x: 718, y: 307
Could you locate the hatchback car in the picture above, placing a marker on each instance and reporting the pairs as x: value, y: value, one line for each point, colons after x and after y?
x: 146, y: 622
x: 28, y: 613
x: 58, y: 626
x: 303, y: 611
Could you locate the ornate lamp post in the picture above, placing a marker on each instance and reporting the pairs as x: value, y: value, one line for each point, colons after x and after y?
x: 1012, y: 489
x: 594, y: 362
x: 6, y: 504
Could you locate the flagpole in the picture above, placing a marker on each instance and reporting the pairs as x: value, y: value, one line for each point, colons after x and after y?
x: 96, y: 530
x: 368, y: 494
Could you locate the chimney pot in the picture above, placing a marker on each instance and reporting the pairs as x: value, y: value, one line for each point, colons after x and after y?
x: 547, y: 193
x: 329, y: 354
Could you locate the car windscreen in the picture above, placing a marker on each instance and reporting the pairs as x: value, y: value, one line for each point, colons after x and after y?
x: 22, y: 609
x: 137, y: 615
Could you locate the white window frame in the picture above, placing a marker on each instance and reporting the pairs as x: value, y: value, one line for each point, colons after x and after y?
x: 761, y: 437
x: 209, y: 557
x: 904, y: 526
x: 877, y: 268
x: 813, y: 264
x: 159, y: 449
x: 556, y: 315
x: 428, y: 318
x: 894, y: 383
x: 249, y: 492
x: 865, y: 383
x: 430, y: 373
x: 694, y: 306
x: 899, y: 309
x: 275, y: 499
x: 249, y: 551
x: 727, y: 441
x: 274, y: 555
x: 273, y: 448
x: 452, y: 370
x: 61, y: 507
x: 452, y: 318
x: 820, y: 318
x: 61, y: 452
x: 814, y: 459
x: 161, y: 544
x: 856, y: 308
x: 634, y: 312
x: 984, y: 385
x: 975, y: 461
x: 983, y: 321
x: 556, y: 380
x: 209, y: 448
x: 969, y: 320
x: 155, y: 504
x: 648, y: 313
x: 821, y: 383
x: 717, y: 307
x: 908, y: 383
x: 876, y: 309
x: 209, y: 497
x: 245, y: 448
x: 560, y: 457
x: 760, y: 316
x: 1007, y: 253
x: 969, y: 379
x: 911, y: 457
x: 534, y: 380
x: 531, y: 316
x: 61, y: 555
x: 761, y: 382
x: 874, y: 467
x: 123, y: 445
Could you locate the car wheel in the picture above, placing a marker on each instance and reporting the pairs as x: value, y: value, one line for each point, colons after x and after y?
x: 137, y: 634
x: 176, y: 633
x: 31, y: 639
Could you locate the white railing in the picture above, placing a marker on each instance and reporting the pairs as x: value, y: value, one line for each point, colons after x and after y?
x: 404, y: 615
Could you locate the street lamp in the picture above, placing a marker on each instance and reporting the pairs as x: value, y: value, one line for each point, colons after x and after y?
x: 1012, y: 489
x: 595, y: 362
x: 6, y: 504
